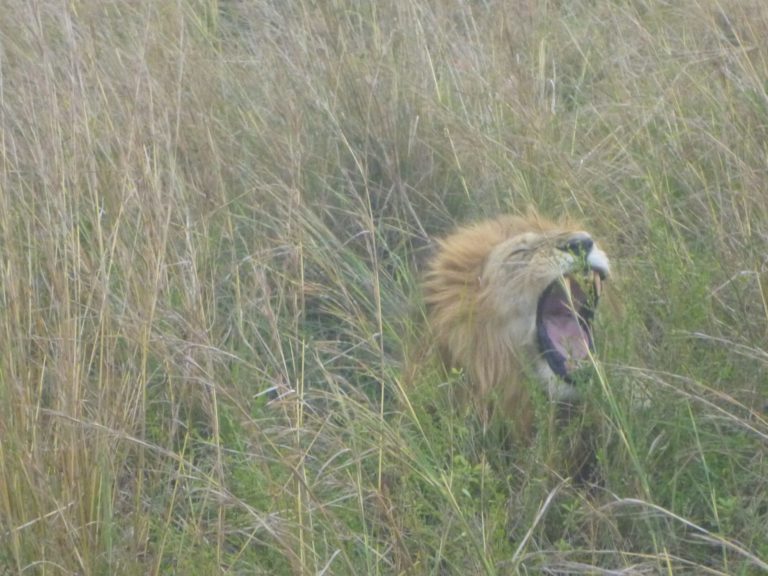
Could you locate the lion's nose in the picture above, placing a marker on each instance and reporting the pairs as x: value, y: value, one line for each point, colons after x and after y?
x: 580, y: 245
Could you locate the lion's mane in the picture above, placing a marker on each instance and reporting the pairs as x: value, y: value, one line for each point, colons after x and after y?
x: 484, y: 290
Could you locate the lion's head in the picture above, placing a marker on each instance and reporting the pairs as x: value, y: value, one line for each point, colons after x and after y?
x: 511, y: 297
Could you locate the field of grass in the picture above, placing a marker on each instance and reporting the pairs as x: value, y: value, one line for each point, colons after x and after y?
x: 213, y: 217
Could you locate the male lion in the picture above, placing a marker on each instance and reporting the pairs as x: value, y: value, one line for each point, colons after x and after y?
x: 510, y: 299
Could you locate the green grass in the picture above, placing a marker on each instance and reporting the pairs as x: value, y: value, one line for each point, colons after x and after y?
x: 212, y: 218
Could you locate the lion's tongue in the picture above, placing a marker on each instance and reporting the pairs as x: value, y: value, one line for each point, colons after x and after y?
x: 568, y: 337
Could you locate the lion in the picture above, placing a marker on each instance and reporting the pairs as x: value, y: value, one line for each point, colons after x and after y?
x: 511, y: 300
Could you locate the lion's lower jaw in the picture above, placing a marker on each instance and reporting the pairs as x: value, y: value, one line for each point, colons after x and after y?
x: 557, y: 389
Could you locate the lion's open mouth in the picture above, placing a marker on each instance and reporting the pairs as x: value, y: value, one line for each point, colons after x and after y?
x: 564, y: 321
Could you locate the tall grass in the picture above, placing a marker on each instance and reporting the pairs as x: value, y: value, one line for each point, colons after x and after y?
x: 213, y: 216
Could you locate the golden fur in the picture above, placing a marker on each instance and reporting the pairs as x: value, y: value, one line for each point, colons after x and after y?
x: 482, y: 289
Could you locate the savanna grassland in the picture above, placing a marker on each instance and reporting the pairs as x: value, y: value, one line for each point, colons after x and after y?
x: 213, y: 219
